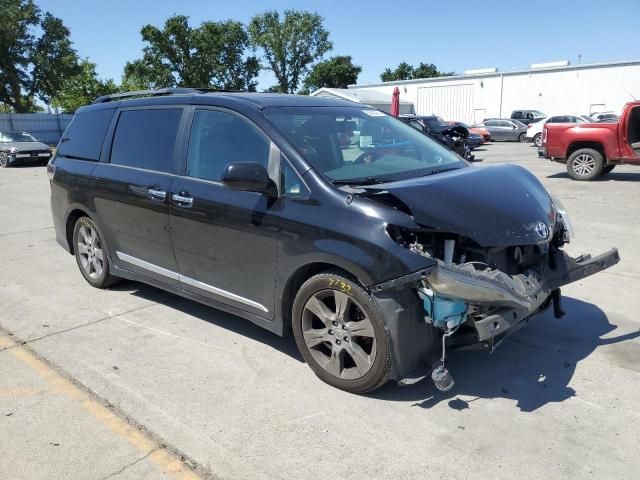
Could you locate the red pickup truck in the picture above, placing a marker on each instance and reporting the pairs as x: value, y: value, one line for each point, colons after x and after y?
x: 593, y: 149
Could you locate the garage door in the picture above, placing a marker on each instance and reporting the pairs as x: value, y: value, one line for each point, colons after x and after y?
x: 451, y: 102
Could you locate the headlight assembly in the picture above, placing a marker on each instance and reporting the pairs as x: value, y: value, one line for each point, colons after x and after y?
x: 563, y: 216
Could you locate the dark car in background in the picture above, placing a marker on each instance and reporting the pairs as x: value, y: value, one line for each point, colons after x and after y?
x: 527, y: 116
x: 376, y: 256
x: 454, y: 137
x: 21, y: 147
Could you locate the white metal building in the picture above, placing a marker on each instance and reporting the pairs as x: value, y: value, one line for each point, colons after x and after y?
x: 552, y: 89
x: 375, y: 99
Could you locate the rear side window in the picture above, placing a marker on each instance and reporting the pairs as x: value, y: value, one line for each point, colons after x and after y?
x: 84, y: 136
x: 146, y: 138
x: 218, y: 139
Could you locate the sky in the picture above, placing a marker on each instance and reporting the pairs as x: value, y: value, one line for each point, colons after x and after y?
x: 454, y: 35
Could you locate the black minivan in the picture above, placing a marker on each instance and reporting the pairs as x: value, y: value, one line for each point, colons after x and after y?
x: 377, y: 247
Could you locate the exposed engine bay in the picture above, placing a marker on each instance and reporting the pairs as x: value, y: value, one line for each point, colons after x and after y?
x: 488, y: 293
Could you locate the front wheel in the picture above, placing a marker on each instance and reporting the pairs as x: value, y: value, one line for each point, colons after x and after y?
x: 91, y: 255
x: 522, y: 137
x: 340, y: 333
x: 537, y: 140
x: 585, y: 164
x: 4, y: 159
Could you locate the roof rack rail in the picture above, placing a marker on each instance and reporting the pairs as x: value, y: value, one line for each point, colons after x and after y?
x: 156, y: 93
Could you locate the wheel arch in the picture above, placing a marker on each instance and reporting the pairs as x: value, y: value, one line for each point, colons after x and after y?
x: 597, y: 146
x: 75, y: 212
x: 301, y: 275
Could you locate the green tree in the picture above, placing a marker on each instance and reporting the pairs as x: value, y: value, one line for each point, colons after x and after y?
x: 289, y: 44
x: 336, y: 72
x: 211, y: 55
x: 82, y: 88
x: 36, y: 55
x: 274, y: 89
x: 429, y: 70
x: 404, y: 71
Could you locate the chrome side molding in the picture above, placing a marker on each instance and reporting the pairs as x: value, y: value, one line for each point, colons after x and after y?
x: 189, y: 281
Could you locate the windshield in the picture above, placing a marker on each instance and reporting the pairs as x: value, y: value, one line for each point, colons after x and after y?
x: 537, y: 113
x: 519, y: 123
x: 357, y: 145
x: 433, y: 122
x: 6, y: 137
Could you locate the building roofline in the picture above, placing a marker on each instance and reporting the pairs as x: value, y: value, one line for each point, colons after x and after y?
x: 581, y: 66
x: 351, y: 94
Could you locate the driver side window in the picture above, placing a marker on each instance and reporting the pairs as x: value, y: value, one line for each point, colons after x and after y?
x: 218, y: 139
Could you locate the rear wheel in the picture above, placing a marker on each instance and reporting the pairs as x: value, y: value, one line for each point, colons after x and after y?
x: 340, y: 333
x: 537, y: 140
x: 585, y: 164
x: 4, y: 159
x: 522, y: 137
x: 91, y: 254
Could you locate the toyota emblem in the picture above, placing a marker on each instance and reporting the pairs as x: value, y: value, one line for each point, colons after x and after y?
x: 542, y: 230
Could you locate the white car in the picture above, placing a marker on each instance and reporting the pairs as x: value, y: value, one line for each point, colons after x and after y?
x: 534, y: 130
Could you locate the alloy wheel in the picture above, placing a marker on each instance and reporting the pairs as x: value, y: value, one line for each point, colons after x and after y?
x: 4, y: 159
x: 537, y: 140
x: 339, y: 334
x: 583, y: 164
x: 90, y: 251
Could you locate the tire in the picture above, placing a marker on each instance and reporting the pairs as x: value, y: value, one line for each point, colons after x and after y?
x: 91, y: 254
x: 522, y: 137
x: 585, y: 164
x: 4, y: 160
x: 537, y: 139
x: 327, y: 339
x: 607, y: 169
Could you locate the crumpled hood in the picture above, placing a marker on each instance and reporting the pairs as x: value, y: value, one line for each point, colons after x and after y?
x: 495, y: 206
x: 24, y: 146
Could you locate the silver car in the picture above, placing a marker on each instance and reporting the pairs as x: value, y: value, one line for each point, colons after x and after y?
x: 20, y: 147
x: 505, y: 130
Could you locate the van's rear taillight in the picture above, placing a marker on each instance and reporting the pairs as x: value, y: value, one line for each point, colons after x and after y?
x: 51, y: 169
x: 544, y: 135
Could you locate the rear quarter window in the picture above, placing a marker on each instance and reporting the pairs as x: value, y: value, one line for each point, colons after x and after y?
x: 85, y: 134
x: 146, y: 139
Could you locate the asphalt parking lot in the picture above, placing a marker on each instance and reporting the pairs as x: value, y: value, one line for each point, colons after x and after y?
x: 134, y: 382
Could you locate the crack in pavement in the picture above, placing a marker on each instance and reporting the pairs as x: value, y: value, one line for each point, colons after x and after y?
x: 25, y: 231
x: 129, y: 465
x: 88, y: 324
x: 8, y: 348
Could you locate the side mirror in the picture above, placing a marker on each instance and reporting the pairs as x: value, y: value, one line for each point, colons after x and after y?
x: 248, y: 177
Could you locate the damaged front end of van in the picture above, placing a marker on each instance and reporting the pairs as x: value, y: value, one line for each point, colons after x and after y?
x: 496, y: 260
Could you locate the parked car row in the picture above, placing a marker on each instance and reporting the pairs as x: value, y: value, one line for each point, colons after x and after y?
x: 21, y: 147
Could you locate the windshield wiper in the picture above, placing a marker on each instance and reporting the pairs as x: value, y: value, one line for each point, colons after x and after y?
x: 441, y: 170
x: 361, y: 181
